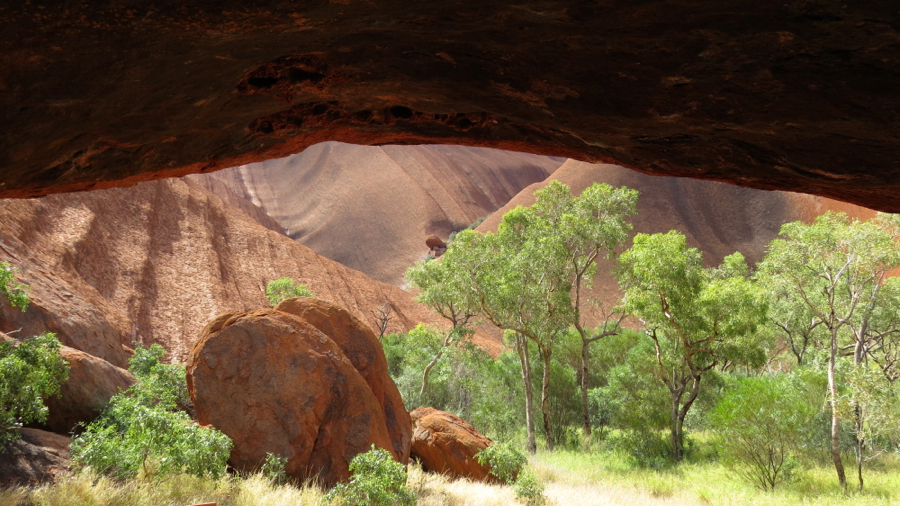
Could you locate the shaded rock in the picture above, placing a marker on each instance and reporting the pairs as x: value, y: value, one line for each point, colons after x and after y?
x: 361, y: 346
x: 92, y: 382
x: 433, y: 241
x: 274, y: 383
x: 38, y: 457
x: 447, y: 444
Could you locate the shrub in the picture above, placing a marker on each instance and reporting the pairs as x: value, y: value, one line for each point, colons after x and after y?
x: 760, y: 425
x: 528, y: 489
x: 143, y: 429
x: 378, y: 480
x: 15, y: 294
x: 504, y: 460
x: 30, y: 371
x: 274, y: 469
x: 159, y: 378
x: 285, y: 288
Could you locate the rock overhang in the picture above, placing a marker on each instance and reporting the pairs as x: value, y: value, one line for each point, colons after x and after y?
x: 797, y: 95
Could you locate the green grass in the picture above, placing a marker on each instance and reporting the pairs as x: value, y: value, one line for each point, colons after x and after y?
x: 710, y: 482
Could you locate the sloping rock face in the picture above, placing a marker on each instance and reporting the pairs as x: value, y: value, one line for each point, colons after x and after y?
x: 92, y: 382
x: 274, y: 383
x: 38, y: 457
x: 155, y: 262
x: 786, y: 94
x: 447, y: 444
x: 361, y: 346
x: 383, y: 200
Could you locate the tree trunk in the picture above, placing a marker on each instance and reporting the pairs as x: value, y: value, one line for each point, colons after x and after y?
x: 584, y: 388
x: 835, y: 416
x: 525, y: 361
x: 858, y: 412
x: 545, y: 399
x: 427, y: 371
x: 677, y: 428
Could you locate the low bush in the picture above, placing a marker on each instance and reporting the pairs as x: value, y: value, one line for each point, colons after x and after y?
x: 504, y: 460
x: 377, y: 480
x: 30, y: 371
x: 143, y: 429
x: 285, y: 288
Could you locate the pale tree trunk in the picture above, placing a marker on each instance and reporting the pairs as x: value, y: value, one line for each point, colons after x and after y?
x: 545, y: 398
x: 835, y: 416
x: 586, y: 419
x: 525, y: 361
x: 858, y: 411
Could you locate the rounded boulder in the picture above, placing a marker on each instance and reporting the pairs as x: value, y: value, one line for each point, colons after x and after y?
x: 446, y: 444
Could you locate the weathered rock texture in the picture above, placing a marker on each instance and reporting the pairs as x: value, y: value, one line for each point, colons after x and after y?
x: 716, y: 218
x: 370, y: 208
x: 361, y: 346
x: 275, y: 383
x: 155, y: 262
x: 38, y: 457
x: 447, y: 444
x: 92, y: 382
x: 775, y: 94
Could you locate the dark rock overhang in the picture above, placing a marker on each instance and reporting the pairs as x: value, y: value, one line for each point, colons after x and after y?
x: 798, y: 95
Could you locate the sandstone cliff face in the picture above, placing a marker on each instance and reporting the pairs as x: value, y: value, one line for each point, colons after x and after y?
x: 371, y: 208
x: 155, y: 262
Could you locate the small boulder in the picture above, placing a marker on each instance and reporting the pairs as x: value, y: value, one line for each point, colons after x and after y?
x: 433, y: 241
x: 92, y: 382
x: 445, y: 443
x: 38, y: 457
x: 276, y: 384
x: 361, y: 346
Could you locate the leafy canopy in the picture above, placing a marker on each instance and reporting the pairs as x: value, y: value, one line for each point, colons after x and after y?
x: 15, y: 293
x: 30, y: 371
x: 285, y: 288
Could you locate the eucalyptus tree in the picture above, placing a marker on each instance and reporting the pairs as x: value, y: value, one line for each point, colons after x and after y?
x: 835, y: 271
x: 698, y: 318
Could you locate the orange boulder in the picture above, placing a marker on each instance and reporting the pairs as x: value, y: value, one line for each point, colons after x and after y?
x: 92, y: 382
x: 361, y: 346
x: 447, y: 444
x: 276, y: 384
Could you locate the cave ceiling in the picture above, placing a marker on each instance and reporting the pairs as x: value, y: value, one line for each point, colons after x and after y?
x: 798, y: 95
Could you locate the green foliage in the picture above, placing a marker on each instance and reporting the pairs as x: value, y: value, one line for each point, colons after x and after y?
x: 274, y: 469
x: 760, y: 425
x: 159, y: 378
x: 144, y: 429
x: 16, y: 294
x: 30, y: 371
x: 528, y: 489
x: 377, y: 480
x: 504, y: 460
x: 285, y: 288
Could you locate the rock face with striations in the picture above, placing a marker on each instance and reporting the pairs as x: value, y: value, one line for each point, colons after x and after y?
x: 38, y: 457
x: 445, y: 443
x: 277, y: 384
x: 155, y: 262
x: 361, y: 346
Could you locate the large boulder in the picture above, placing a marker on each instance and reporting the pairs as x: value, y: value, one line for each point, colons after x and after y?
x: 92, y: 382
x: 276, y: 384
x: 361, y: 346
x: 445, y: 443
x: 37, y: 458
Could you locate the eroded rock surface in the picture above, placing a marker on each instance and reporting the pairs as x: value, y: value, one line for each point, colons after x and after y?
x: 155, y: 262
x: 361, y: 346
x: 92, y: 382
x: 38, y: 457
x: 446, y: 444
x: 786, y: 94
x: 275, y: 383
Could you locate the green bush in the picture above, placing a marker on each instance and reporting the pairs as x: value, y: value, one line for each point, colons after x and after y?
x: 504, y: 460
x: 377, y: 480
x: 274, y: 469
x: 15, y: 294
x: 760, y: 425
x: 285, y: 288
x: 528, y: 489
x: 30, y: 371
x: 159, y: 378
x: 144, y: 429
